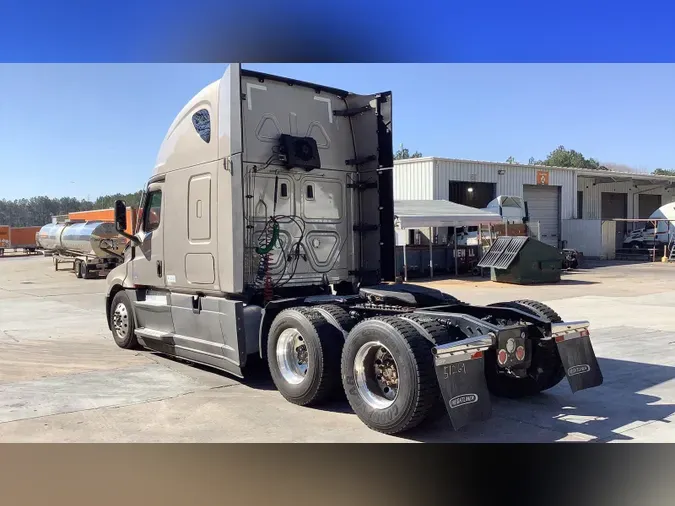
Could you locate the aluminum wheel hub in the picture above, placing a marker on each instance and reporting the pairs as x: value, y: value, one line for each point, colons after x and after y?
x: 292, y: 356
x: 376, y: 375
x: 121, y: 321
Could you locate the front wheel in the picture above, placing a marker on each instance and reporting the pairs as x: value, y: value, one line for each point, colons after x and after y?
x: 388, y: 374
x: 122, y: 321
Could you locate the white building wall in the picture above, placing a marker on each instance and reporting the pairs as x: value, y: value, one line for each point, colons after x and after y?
x: 593, y: 196
x: 593, y: 238
x: 509, y: 183
x: 413, y: 179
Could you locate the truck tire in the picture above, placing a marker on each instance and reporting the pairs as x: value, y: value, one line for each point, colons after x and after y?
x: 303, y: 356
x: 122, y: 321
x: 78, y: 269
x: 388, y: 374
x: 546, y: 370
x: 337, y: 316
x: 436, y: 333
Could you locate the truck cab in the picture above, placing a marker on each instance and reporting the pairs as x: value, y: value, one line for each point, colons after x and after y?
x: 511, y: 208
x: 659, y: 230
x: 263, y: 187
x: 267, y: 232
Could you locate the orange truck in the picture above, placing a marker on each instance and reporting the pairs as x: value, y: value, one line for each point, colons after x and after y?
x: 16, y: 238
x: 106, y: 215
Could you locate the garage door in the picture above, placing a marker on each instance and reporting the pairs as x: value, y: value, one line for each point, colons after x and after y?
x: 543, y: 205
x: 648, y: 204
x: 615, y: 206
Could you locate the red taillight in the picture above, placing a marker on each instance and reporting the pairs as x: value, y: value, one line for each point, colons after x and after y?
x: 478, y: 354
x: 584, y: 333
x: 559, y: 339
x: 520, y: 353
x: 502, y: 357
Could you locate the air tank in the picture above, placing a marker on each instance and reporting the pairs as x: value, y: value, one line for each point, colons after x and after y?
x: 91, y: 238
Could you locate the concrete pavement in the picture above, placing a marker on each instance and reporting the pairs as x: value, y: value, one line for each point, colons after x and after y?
x: 62, y: 378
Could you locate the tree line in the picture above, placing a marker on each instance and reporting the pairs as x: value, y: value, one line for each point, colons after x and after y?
x: 559, y: 157
x: 562, y: 157
x: 37, y: 211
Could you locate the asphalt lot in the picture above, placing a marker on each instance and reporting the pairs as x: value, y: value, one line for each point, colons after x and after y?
x: 63, y: 379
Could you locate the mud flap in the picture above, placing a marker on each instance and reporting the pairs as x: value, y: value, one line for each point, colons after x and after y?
x: 461, y: 377
x: 578, y: 358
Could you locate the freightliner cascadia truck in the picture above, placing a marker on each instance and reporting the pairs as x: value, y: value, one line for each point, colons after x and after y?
x: 267, y: 236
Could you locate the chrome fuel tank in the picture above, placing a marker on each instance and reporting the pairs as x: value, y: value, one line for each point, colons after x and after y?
x: 86, y: 238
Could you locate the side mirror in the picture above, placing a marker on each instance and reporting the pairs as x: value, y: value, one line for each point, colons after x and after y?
x: 120, y: 216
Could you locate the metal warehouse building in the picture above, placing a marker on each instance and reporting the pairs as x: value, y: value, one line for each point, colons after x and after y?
x: 567, y: 203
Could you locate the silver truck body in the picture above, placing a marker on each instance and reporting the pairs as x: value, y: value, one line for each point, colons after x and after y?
x: 214, y: 184
x: 268, y: 230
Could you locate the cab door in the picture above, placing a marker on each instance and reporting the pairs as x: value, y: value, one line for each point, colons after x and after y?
x: 153, y: 309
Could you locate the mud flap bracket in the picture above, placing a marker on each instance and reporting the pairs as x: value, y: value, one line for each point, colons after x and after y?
x: 460, y: 371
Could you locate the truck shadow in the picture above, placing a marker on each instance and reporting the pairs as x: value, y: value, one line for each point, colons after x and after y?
x: 603, y: 414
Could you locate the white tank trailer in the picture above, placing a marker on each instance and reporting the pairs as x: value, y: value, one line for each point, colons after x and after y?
x: 267, y: 232
x: 93, y: 248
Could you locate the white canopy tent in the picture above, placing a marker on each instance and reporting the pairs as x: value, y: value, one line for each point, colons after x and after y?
x: 438, y: 213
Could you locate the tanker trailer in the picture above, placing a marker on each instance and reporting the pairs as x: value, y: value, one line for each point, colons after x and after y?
x: 93, y: 248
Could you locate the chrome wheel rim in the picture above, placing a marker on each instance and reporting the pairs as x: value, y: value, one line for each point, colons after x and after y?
x: 121, y: 321
x: 292, y: 356
x: 376, y: 375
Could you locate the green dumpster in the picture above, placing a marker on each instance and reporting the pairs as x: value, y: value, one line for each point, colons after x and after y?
x: 522, y: 261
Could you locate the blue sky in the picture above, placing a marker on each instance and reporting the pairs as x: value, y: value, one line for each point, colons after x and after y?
x: 90, y: 129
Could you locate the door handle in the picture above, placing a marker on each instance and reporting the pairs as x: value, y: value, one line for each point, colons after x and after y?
x: 159, y: 268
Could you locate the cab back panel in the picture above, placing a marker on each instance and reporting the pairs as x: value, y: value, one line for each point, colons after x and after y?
x: 330, y: 225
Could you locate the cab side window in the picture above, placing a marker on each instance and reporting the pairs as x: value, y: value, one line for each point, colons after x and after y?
x: 152, y: 211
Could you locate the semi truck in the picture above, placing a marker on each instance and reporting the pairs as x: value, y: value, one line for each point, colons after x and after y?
x: 267, y: 237
x: 91, y: 248
x: 659, y: 230
x: 18, y: 238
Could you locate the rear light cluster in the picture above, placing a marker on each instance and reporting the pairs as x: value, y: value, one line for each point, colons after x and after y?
x: 520, y: 353
x: 502, y: 357
x: 511, y: 349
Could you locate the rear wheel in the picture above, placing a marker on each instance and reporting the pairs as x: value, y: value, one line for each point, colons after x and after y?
x: 303, y: 354
x: 388, y: 374
x: 546, y: 369
x: 78, y: 269
x: 122, y: 321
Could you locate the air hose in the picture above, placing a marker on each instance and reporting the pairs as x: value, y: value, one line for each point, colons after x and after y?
x: 264, y: 250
